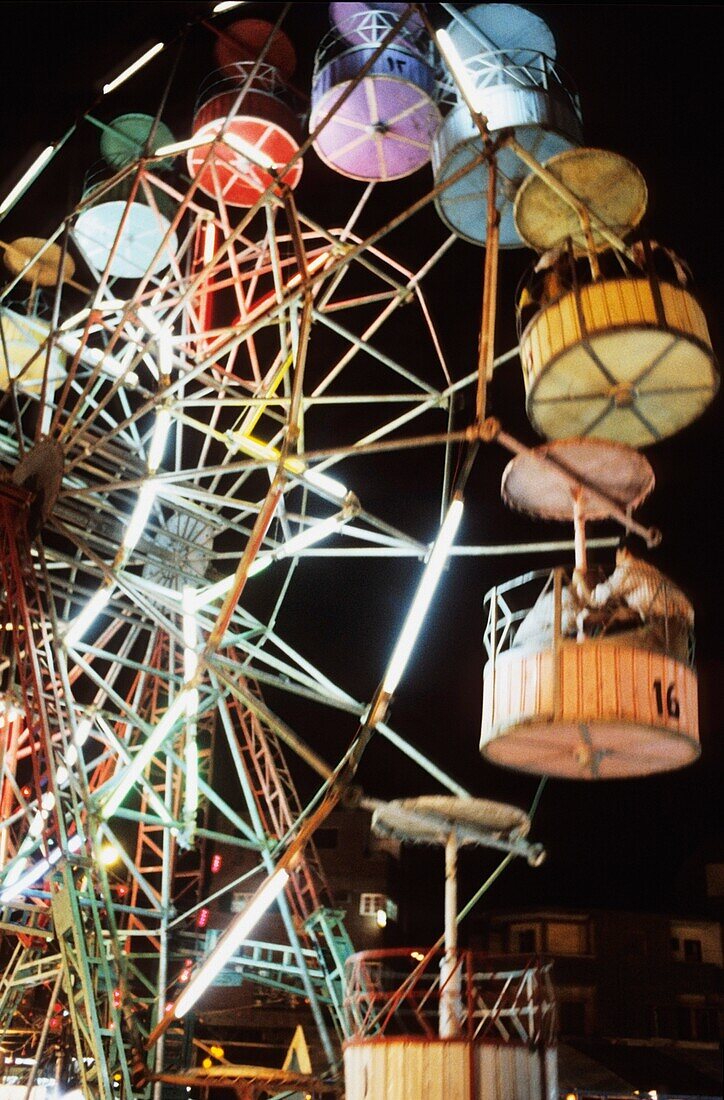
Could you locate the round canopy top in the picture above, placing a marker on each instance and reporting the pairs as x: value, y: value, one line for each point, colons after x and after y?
x: 609, y: 185
x: 245, y: 40
x: 125, y: 138
x: 431, y: 819
x: 506, y: 27
x: 345, y: 18
x: 46, y: 269
x: 542, y: 489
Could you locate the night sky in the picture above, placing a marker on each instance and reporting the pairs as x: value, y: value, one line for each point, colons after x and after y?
x: 648, y: 85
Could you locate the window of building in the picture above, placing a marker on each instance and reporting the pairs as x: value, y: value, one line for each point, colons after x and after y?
x: 369, y: 904
x: 663, y: 1022
x: 525, y: 939
x: 706, y: 1024
x: 692, y: 950
x: 697, y: 1023
x: 567, y: 938
x: 698, y: 942
x: 379, y: 906
x: 684, y: 1025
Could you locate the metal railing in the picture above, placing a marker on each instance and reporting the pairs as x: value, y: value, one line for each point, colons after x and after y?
x: 526, y: 69
x: 636, y: 606
x: 396, y: 993
x: 231, y: 78
x: 366, y: 30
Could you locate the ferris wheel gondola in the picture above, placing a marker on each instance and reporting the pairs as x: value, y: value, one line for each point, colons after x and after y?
x: 504, y: 57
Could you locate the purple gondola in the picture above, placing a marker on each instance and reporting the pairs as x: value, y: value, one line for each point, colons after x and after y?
x: 384, y: 128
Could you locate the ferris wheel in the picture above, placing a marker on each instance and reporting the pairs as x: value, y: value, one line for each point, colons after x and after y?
x: 193, y: 371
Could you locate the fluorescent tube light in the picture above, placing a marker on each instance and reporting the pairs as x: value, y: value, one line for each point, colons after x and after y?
x: 26, y: 179
x: 92, y: 357
x: 246, y: 149
x: 329, y: 484
x: 139, y: 516
x: 235, y: 935
x: 313, y: 266
x: 158, y: 439
x: 147, y: 318
x: 90, y: 612
x: 177, y: 147
x: 77, y: 319
x: 191, y: 788
x: 165, y: 352
x: 206, y: 596
x: 191, y: 664
x: 209, y: 242
x: 457, y: 67
x: 82, y: 731
x: 142, y: 758
x: 189, y: 630
x: 38, y: 871
x: 132, y: 68
x: 264, y: 451
x: 423, y: 597
x: 311, y: 535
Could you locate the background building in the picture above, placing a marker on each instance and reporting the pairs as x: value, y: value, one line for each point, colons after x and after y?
x: 642, y: 994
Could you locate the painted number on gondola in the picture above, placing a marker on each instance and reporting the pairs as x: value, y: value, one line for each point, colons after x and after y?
x: 396, y: 64
x: 672, y: 703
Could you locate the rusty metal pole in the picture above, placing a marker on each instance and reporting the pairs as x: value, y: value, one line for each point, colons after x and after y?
x: 486, y: 349
x: 450, y: 976
x: 587, y: 218
x: 579, y: 532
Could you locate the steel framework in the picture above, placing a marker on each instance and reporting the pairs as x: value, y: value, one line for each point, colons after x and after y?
x: 196, y: 437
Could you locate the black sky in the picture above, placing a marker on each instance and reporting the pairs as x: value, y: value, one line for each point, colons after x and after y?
x: 649, y: 85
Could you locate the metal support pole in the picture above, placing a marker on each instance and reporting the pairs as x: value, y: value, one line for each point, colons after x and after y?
x: 450, y: 974
x: 38, y: 1052
x: 486, y: 350
x: 579, y: 531
x: 282, y: 902
x: 8, y: 761
x: 586, y: 217
x: 163, y: 935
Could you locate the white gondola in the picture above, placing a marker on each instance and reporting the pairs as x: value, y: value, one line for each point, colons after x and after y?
x: 508, y: 56
x: 124, y: 222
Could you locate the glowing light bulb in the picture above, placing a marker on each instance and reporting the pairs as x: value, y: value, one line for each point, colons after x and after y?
x: 109, y: 855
